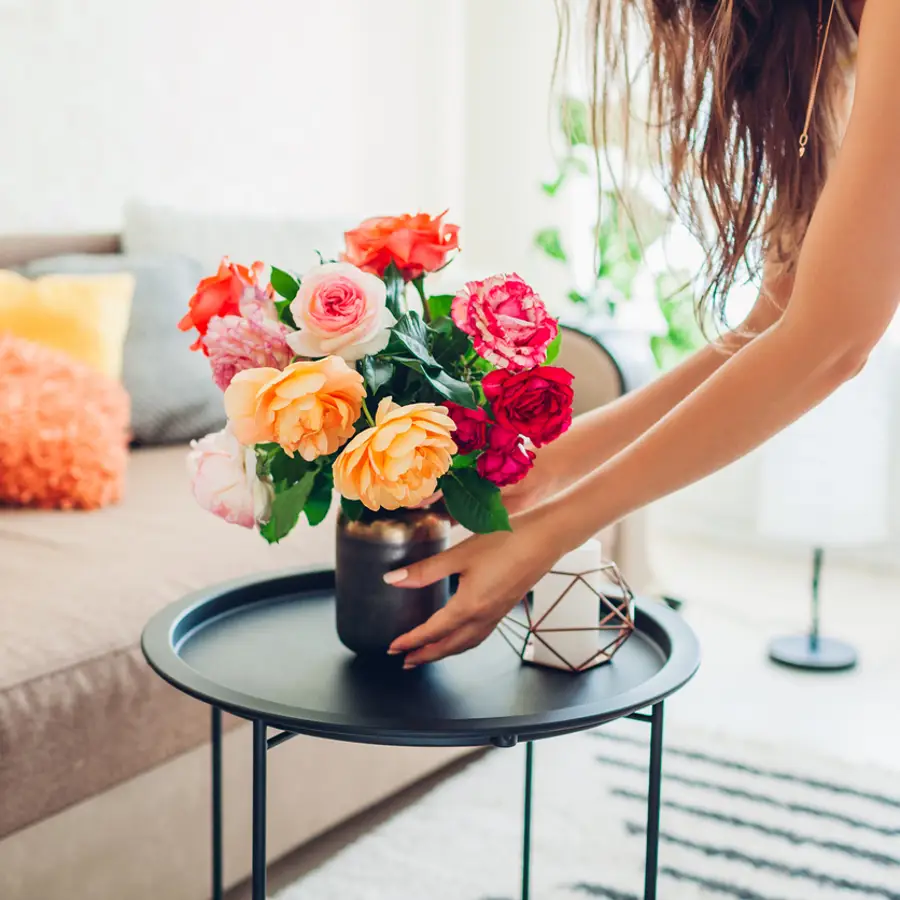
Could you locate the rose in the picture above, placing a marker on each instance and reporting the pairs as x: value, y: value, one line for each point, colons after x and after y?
x: 224, y: 481
x: 398, y: 461
x: 507, y: 321
x: 252, y: 340
x: 537, y: 403
x: 505, y: 461
x: 220, y: 295
x: 415, y: 244
x: 311, y: 407
x: 471, y: 427
x: 340, y: 310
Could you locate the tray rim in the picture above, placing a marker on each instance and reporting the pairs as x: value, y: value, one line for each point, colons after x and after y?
x: 682, y: 660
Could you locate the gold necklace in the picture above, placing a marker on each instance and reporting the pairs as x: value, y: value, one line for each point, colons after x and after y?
x: 821, y: 44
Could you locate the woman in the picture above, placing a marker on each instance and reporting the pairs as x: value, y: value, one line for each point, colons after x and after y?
x: 750, y: 92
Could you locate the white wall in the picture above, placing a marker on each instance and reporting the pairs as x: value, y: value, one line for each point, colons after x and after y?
x: 309, y: 107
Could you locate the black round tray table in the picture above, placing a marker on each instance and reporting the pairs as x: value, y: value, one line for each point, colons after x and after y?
x: 265, y: 649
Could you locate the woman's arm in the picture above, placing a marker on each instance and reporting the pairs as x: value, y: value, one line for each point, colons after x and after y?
x: 598, y: 435
x: 845, y: 295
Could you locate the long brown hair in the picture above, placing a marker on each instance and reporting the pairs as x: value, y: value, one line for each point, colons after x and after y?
x: 729, y: 84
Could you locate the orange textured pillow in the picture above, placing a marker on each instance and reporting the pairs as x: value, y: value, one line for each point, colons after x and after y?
x: 63, y: 430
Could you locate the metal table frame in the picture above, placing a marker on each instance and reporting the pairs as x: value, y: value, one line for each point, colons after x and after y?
x: 262, y: 744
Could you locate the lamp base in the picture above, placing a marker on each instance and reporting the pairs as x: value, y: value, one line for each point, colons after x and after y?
x: 798, y: 652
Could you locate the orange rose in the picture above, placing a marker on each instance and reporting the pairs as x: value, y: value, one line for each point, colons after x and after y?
x: 219, y: 295
x: 398, y: 462
x: 310, y: 407
x: 416, y: 244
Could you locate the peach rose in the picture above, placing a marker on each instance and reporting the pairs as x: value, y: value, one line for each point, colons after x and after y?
x: 310, y: 407
x: 398, y: 462
x: 340, y: 310
x: 415, y: 244
x: 224, y: 481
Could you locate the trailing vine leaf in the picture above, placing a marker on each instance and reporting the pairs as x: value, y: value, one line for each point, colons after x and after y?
x: 287, y: 505
x: 352, y: 509
x: 549, y: 240
x: 474, y: 502
x: 439, y: 306
x: 285, y: 284
x: 319, y: 501
x: 554, y: 348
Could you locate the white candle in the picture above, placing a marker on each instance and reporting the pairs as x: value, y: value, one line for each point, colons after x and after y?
x: 580, y: 608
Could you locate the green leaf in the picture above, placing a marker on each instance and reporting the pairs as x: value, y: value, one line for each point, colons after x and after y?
x: 396, y: 290
x: 452, y: 388
x: 553, y: 348
x: 464, y: 460
x: 449, y: 345
x: 439, y: 306
x: 284, y: 283
x: 575, y: 118
x: 377, y: 373
x: 352, y: 509
x: 474, y: 502
x: 288, y: 470
x: 319, y: 501
x: 550, y: 188
x: 549, y: 240
x: 410, y: 335
x: 286, y: 508
x: 283, y: 309
x: 575, y: 297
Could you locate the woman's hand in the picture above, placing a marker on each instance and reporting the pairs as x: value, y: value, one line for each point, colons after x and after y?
x: 496, y: 571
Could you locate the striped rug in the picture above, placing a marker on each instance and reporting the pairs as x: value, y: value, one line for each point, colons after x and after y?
x: 740, y: 821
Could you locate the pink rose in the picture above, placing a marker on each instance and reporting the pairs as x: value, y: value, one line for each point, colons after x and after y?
x: 252, y: 340
x: 340, y: 311
x: 505, y: 461
x: 507, y: 321
x: 224, y: 481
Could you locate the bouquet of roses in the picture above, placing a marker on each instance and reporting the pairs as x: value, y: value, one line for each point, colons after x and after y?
x: 332, y: 381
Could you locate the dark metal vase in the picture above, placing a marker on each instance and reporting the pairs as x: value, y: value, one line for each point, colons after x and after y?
x: 370, y: 613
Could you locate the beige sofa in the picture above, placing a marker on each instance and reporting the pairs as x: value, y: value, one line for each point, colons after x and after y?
x: 104, y: 768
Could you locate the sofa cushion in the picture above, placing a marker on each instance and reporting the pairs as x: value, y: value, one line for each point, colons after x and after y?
x: 173, y: 397
x: 80, y: 710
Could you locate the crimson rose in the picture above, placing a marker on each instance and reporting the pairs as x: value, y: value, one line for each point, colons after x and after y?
x: 505, y: 461
x: 471, y: 427
x: 536, y: 403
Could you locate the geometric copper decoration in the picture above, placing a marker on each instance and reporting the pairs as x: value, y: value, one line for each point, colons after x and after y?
x: 543, y: 641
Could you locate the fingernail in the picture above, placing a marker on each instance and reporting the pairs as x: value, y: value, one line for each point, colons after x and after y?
x: 409, y: 665
x: 392, y: 652
x: 396, y: 576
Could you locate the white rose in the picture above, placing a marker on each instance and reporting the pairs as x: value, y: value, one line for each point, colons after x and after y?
x: 340, y: 311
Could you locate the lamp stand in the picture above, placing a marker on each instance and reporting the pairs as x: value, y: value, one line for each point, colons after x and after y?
x: 811, y: 651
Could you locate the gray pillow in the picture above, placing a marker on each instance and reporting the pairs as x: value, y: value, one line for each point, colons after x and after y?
x: 173, y: 397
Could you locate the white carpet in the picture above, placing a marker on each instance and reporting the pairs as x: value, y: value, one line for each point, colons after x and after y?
x: 739, y: 821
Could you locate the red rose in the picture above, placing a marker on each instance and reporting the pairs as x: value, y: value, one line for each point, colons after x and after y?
x: 471, y: 427
x: 537, y: 403
x: 415, y: 244
x: 507, y: 321
x: 505, y: 461
x: 220, y: 295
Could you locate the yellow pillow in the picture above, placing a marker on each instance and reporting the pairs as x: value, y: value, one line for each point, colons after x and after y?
x: 85, y: 316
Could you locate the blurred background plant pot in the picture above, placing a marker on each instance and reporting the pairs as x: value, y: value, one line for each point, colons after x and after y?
x: 370, y: 613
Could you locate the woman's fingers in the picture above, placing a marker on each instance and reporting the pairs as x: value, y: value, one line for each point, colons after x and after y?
x: 442, y: 624
x: 464, y: 638
x: 428, y: 571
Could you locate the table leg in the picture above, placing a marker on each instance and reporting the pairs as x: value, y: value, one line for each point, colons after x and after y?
x: 259, y: 811
x: 216, y: 803
x: 653, y: 802
x: 526, y: 841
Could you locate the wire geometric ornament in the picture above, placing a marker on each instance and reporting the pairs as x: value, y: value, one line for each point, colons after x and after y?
x: 615, y: 617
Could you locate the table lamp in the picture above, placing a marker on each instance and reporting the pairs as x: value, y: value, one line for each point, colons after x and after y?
x: 824, y: 485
